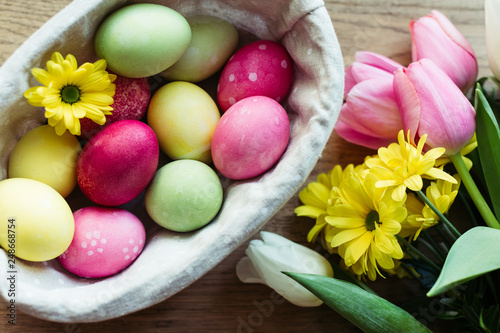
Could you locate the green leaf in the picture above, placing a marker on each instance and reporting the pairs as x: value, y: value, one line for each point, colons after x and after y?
x: 473, y: 254
x: 489, y: 319
x: 369, y: 312
x: 488, y: 143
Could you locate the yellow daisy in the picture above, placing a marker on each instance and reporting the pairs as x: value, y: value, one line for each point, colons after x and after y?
x: 401, y: 166
x: 70, y: 93
x: 441, y: 194
x: 318, y: 196
x: 365, y: 220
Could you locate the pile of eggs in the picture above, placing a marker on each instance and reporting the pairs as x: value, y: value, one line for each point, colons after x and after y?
x: 179, y: 122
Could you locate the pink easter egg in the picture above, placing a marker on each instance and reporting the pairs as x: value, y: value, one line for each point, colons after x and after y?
x: 250, y: 137
x: 261, y: 68
x: 117, y: 163
x: 129, y: 102
x: 106, y: 241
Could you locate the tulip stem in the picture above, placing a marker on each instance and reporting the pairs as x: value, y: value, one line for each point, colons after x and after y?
x: 475, y: 194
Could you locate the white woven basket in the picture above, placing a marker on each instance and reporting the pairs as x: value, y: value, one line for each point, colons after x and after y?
x: 170, y: 261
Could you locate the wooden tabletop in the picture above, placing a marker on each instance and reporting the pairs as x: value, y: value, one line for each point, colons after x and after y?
x: 219, y: 302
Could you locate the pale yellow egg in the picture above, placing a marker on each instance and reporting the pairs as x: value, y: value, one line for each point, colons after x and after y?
x: 36, y: 223
x: 43, y: 155
x: 183, y: 117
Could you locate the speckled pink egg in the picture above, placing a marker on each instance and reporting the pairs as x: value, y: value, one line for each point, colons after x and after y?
x: 261, y: 68
x: 117, y: 163
x: 250, y: 137
x: 106, y: 241
x: 129, y: 102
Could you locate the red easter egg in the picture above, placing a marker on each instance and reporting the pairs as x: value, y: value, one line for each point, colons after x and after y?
x: 117, y: 163
x: 261, y: 68
x: 129, y: 102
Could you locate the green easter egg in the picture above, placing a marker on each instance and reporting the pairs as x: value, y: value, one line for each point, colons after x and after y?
x: 142, y: 40
x: 184, y: 195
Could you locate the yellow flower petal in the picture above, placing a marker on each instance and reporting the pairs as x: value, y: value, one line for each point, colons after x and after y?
x: 347, y: 235
x: 440, y: 174
x: 398, y: 194
x: 414, y: 183
x: 357, y: 248
x: 309, y: 211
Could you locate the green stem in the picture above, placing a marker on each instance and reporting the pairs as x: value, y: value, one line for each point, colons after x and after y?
x: 442, y: 218
x: 418, y: 253
x: 474, y: 192
x: 432, y: 246
x: 445, y: 235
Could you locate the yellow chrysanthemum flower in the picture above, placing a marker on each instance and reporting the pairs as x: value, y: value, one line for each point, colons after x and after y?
x: 70, y: 93
x: 365, y: 220
x: 401, y: 166
x: 441, y: 194
x: 318, y: 196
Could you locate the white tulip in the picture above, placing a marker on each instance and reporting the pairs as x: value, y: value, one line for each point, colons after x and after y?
x: 492, y: 23
x: 268, y: 257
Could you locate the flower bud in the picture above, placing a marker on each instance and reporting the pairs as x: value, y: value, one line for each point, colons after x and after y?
x: 436, y: 38
x: 492, y: 22
x: 370, y: 116
x: 274, y: 254
x: 430, y: 103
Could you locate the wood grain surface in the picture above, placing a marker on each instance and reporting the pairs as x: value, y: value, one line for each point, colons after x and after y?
x: 219, y: 302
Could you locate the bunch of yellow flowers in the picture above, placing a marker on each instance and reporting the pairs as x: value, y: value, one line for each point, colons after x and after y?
x: 362, y: 210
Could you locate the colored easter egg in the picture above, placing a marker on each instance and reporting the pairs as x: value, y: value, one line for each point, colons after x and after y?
x: 261, y: 68
x: 143, y: 39
x: 117, y: 163
x: 36, y: 222
x: 184, y: 195
x: 213, y: 41
x: 43, y: 155
x: 129, y: 102
x: 250, y: 137
x: 184, y: 117
x: 107, y: 240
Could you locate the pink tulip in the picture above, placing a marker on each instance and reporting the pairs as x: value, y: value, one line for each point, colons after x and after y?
x: 370, y: 116
x: 436, y: 38
x: 430, y: 103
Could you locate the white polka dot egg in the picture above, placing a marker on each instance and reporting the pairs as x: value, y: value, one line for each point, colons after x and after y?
x: 261, y: 68
x: 106, y: 241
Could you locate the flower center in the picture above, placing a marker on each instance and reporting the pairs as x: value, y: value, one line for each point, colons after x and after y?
x: 70, y: 94
x: 371, y: 219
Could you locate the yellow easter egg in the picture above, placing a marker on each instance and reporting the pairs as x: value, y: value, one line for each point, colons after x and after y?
x: 36, y: 223
x: 43, y: 155
x: 183, y: 117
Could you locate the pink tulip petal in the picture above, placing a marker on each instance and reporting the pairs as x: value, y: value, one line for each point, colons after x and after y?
x: 452, y: 31
x: 349, y: 80
x: 352, y: 136
x: 373, y: 106
x: 362, y: 72
x: 377, y: 60
x: 408, y: 102
x: 347, y: 118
